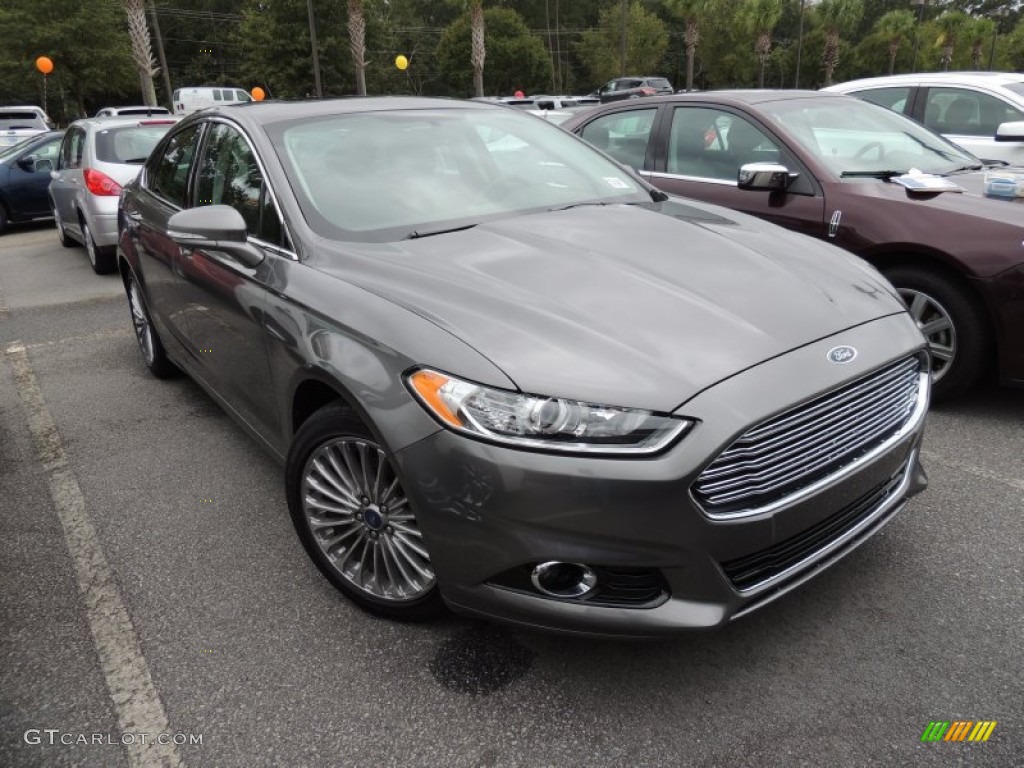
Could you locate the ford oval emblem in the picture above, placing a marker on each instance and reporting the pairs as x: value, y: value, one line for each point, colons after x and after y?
x: 841, y: 355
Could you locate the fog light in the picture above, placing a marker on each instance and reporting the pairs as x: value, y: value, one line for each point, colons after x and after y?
x: 573, y: 580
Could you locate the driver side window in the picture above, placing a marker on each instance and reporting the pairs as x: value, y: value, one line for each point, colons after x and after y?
x: 228, y: 174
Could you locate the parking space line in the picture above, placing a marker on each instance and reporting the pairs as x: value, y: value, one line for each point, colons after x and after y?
x: 972, y: 469
x: 97, y: 336
x: 135, y: 699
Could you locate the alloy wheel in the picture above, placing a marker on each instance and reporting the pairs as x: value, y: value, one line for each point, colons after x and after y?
x: 360, y: 518
x: 140, y: 320
x: 937, y: 326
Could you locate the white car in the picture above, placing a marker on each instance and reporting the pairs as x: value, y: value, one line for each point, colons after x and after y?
x: 971, y: 109
x: 139, y: 110
x: 19, y: 123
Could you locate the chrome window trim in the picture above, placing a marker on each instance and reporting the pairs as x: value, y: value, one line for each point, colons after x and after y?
x: 703, y: 179
x: 910, y: 426
x: 895, y: 497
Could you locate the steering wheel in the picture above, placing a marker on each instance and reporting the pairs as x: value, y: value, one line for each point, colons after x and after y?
x: 868, y: 147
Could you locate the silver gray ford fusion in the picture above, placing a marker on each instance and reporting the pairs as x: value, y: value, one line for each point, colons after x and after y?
x: 506, y: 376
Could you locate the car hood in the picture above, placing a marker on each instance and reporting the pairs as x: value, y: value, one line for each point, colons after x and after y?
x: 622, y: 305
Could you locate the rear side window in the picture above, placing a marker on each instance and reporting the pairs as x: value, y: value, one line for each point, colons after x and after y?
x: 963, y: 112
x: 167, y: 174
x: 216, y: 94
x: 129, y: 144
x: 623, y: 135
x: 890, y: 98
x: 660, y: 82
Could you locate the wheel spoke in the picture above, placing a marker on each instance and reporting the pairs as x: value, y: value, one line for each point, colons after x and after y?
x: 918, y: 305
x: 342, y: 475
x: 414, y: 546
x: 937, y: 325
x: 319, y: 487
x: 941, y: 352
x: 397, y: 558
x: 323, y: 522
x: 406, y: 529
x: 338, y: 483
x: 411, y: 561
x: 320, y: 504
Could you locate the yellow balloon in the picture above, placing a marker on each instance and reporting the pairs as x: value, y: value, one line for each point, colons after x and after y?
x: 401, y: 62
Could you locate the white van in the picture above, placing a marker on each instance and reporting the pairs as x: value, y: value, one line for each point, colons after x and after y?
x: 189, y: 100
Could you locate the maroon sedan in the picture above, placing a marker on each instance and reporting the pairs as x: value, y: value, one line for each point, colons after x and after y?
x: 947, y: 232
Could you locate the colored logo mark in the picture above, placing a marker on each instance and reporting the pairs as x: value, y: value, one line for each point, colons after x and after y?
x: 959, y: 730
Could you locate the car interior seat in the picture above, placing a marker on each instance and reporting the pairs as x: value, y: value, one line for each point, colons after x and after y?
x: 959, y: 117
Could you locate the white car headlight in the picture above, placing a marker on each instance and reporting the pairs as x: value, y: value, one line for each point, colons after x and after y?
x: 549, y: 423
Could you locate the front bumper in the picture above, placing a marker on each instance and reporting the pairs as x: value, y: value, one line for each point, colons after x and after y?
x: 487, y: 510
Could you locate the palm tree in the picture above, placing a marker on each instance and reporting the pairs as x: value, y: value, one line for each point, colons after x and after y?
x: 980, y: 31
x: 895, y: 27
x: 759, y: 17
x: 836, y: 16
x: 357, y: 42
x: 479, y: 52
x: 142, y: 48
x: 692, y: 12
x: 950, y: 26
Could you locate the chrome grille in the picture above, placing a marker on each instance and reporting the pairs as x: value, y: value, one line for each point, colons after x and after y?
x: 799, y: 447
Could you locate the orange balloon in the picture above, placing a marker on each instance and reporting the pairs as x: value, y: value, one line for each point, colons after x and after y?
x: 44, y: 64
x: 258, y: 94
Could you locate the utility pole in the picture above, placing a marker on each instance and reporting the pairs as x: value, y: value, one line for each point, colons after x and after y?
x: 799, y: 45
x: 998, y: 16
x: 622, y: 39
x: 917, y: 31
x: 316, y: 53
x: 160, y: 54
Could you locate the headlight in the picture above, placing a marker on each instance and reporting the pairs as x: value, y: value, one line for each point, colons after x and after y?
x: 550, y: 423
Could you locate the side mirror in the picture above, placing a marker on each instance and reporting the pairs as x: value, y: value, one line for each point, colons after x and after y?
x: 1010, y: 132
x: 764, y: 176
x: 214, y: 228
x: 33, y: 164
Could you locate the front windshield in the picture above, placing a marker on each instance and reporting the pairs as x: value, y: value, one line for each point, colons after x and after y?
x: 386, y: 175
x: 856, y: 137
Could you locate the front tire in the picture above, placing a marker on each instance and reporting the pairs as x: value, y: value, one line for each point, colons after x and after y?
x: 954, y: 323
x: 153, y: 352
x: 354, y: 519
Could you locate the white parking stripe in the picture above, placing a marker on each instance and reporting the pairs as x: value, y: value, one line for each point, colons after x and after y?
x: 138, y: 707
x: 113, y: 333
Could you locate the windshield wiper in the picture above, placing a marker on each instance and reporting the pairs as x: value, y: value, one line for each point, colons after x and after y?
x: 871, y: 174
x: 415, y: 234
x: 965, y: 168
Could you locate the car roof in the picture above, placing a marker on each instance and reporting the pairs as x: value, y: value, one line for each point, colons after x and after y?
x: 989, y: 78
x: 733, y: 97
x: 266, y: 112
x: 108, y: 121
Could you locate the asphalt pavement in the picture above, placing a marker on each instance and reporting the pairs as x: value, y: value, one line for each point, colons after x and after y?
x: 152, y: 590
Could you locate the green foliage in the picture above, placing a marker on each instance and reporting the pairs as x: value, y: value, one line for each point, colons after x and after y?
x: 646, y: 43
x: 273, y: 44
x: 89, y: 69
x: 516, y: 58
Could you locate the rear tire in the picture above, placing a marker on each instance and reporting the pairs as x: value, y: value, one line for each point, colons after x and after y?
x: 954, y: 323
x: 354, y: 519
x: 4, y: 219
x: 102, y: 259
x: 62, y: 235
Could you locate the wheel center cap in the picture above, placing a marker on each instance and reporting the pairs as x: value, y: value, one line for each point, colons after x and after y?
x: 373, y: 517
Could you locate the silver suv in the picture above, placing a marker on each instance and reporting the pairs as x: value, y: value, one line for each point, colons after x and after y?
x: 20, y: 123
x: 983, y: 112
x: 98, y: 156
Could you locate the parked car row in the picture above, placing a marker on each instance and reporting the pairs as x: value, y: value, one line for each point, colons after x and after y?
x: 516, y: 376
